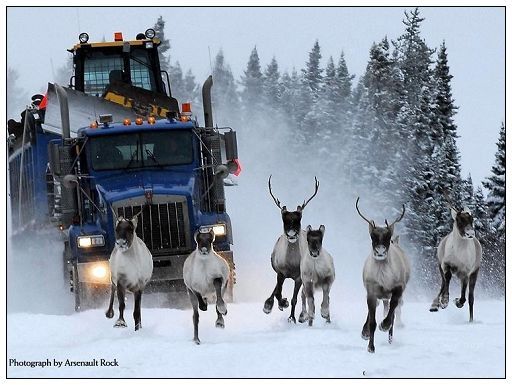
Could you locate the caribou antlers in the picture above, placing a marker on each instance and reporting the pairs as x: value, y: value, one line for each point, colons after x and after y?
x: 278, y: 203
x: 372, y: 223
x: 133, y: 217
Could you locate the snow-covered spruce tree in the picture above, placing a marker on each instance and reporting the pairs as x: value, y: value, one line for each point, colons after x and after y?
x: 177, y: 85
x: 191, y: 90
x: 343, y: 95
x: 291, y: 97
x: 17, y: 98
x: 165, y: 45
x: 272, y: 86
x: 224, y: 93
x: 496, y: 186
x: 252, y: 84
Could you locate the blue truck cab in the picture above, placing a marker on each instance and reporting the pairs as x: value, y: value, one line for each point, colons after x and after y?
x: 142, y: 156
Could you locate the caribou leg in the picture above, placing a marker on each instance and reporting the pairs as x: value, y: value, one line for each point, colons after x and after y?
x: 324, y: 307
x: 395, y: 300
x: 308, y: 288
x: 365, y: 333
x: 220, y: 304
x: 435, y: 303
x: 110, y: 310
x: 371, y: 301
x: 445, y: 295
x: 298, y: 284
x: 136, y: 310
x: 471, y: 297
x: 303, y: 314
x: 120, y: 323
x: 459, y: 302
x: 269, y: 303
x: 195, y: 317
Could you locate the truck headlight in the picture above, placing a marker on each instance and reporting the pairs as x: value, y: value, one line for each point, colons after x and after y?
x: 90, y: 241
x: 219, y: 229
x: 99, y: 271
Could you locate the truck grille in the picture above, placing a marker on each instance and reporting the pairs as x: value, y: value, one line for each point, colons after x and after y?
x: 162, y: 226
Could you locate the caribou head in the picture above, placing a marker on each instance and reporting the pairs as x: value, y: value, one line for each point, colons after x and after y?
x: 204, y: 239
x: 315, y: 238
x: 463, y: 219
x: 381, y: 236
x: 291, y: 219
x: 125, y: 230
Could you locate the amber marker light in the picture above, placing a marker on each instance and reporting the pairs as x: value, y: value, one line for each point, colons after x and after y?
x: 93, y: 125
x: 151, y: 120
x: 127, y: 122
x: 139, y: 121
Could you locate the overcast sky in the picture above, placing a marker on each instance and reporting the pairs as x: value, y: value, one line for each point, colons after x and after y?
x: 475, y: 39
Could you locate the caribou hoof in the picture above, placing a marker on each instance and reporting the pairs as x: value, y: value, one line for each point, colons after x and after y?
x: 292, y: 319
x: 310, y: 322
x: 219, y: 324
x: 303, y: 317
x: 197, y: 341
x: 390, y: 338
x: 443, y: 301
x: 384, y: 327
x: 371, y: 349
x: 221, y: 308
x: 365, y: 335
x: 459, y: 303
x: 283, y: 304
x: 434, y: 308
x: 120, y: 323
x: 138, y: 326
x: 109, y: 313
x: 269, y: 304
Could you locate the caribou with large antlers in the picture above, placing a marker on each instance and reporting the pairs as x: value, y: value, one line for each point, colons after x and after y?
x: 286, y: 255
x: 458, y: 253
x: 385, y: 275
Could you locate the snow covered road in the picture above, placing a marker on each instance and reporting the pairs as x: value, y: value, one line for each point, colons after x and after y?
x: 253, y: 344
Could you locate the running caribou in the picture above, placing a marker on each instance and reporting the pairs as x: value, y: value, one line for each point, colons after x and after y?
x: 385, y: 276
x: 286, y: 256
x: 458, y: 253
x: 131, y: 267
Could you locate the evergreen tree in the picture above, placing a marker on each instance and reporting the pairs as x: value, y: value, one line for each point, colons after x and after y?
x: 17, y: 97
x: 224, y: 93
x: 165, y: 45
x: 291, y: 97
x: 191, y: 88
x: 177, y: 83
x: 496, y: 186
x: 312, y: 74
x: 272, y: 86
x: 252, y: 82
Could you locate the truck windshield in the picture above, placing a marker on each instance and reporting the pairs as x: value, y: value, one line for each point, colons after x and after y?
x: 103, y: 67
x: 141, y: 150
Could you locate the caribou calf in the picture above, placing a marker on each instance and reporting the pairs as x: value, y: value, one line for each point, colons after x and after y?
x: 385, y: 276
x: 316, y: 271
x: 286, y: 256
x: 458, y: 253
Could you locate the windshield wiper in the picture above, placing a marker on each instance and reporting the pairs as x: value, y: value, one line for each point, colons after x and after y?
x: 153, y: 157
x: 132, y: 158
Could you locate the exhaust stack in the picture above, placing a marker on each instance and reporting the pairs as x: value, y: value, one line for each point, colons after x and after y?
x: 64, y: 111
x: 207, y: 102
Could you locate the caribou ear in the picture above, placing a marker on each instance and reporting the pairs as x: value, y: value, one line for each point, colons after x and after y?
x: 283, y: 210
x: 134, y: 221
x: 322, y: 229
x: 371, y: 226
x: 391, y: 228
x: 308, y: 229
x: 299, y: 209
x: 195, y: 235
x: 467, y: 210
x: 454, y: 213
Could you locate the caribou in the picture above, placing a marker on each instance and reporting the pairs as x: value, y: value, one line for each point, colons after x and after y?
x: 458, y: 253
x: 316, y: 271
x: 385, y: 276
x: 286, y: 256
x: 131, y: 267
x: 205, y: 273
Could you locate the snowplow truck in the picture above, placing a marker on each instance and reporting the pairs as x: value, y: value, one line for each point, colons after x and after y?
x: 116, y: 141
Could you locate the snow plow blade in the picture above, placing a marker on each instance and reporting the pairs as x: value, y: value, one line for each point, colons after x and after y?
x: 83, y: 109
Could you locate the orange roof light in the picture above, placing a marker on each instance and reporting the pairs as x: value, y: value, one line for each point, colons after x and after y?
x: 93, y: 125
x: 151, y: 120
x: 139, y: 121
x: 127, y: 122
x: 118, y: 36
x: 186, y: 108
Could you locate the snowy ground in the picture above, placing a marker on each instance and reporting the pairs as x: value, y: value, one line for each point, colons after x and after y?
x: 257, y: 345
